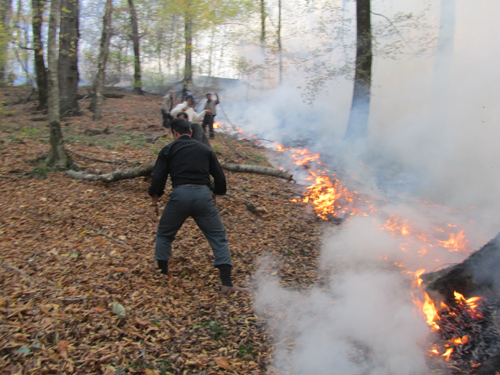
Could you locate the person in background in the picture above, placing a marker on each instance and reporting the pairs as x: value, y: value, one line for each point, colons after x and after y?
x: 210, y: 107
x: 166, y: 108
x: 190, y: 165
x: 188, y: 107
x: 198, y: 132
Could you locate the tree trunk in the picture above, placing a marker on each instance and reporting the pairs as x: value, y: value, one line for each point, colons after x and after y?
x: 263, y: 39
x: 96, y: 104
x: 262, y: 25
x: 68, y: 57
x: 357, y: 128
x: 57, y: 158
x: 135, y: 40
x: 146, y: 169
x: 40, y: 70
x: 280, y: 51
x: 5, y: 7
x: 188, y: 67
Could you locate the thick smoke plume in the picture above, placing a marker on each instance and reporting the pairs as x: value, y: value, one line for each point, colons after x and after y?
x: 433, y: 137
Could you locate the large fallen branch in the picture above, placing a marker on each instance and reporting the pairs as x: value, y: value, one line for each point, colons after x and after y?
x: 245, y: 168
x: 106, y: 95
x: 119, y: 174
x: 146, y: 169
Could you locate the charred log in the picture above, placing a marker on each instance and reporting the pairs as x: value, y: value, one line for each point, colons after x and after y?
x: 477, y: 275
x: 146, y: 169
x: 491, y: 366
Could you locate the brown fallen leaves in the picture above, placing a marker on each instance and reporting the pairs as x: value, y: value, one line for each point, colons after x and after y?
x: 80, y: 290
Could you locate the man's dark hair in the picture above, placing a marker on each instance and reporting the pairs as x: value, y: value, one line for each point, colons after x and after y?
x: 180, y: 125
x: 183, y: 115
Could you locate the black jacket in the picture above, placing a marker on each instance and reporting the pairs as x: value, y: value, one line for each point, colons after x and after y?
x: 188, y: 162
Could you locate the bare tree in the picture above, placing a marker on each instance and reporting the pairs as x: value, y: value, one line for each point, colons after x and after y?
x: 280, y: 49
x: 5, y: 8
x: 40, y: 70
x: 263, y: 25
x: 58, y: 157
x: 357, y: 128
x: 263, y: 39
x: 135, y: 40
x: 188, y: 36
x: 68, y: 57
x: 96, y: 104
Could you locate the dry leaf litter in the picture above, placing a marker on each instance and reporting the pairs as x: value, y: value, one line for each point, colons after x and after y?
x: 80, y: 290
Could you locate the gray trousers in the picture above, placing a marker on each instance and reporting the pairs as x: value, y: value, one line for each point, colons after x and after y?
x: 195, y: 201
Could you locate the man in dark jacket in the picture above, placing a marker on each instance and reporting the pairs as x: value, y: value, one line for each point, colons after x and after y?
x: 190, y: 164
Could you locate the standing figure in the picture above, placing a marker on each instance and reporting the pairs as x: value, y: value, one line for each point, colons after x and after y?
x: 166, y: 108
x: 210, y: 106
x: 190, y: 164
x: 187, y: 108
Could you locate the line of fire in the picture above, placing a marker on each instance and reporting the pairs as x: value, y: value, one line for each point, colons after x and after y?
x: 462, y: 312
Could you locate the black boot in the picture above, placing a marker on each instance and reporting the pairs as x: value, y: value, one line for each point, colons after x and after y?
x: 163, y: 265
x: 225, y: 274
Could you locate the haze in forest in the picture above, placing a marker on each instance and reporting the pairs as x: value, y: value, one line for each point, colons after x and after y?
x: 432, y: 136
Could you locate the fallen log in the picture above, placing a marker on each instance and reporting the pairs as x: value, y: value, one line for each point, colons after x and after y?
x: 245, y: 168
x: 146, y: 169
x: 119, y: 174
x: 106, y: 95
x: 476, y: 275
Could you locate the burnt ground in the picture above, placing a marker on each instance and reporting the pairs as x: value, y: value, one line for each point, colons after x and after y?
x: 80, y: 290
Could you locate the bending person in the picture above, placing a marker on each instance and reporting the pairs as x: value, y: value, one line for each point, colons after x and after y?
x: 190, y: 165
x: 198, y: 132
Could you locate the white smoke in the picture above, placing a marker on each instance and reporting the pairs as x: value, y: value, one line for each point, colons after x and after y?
x: 351, y: 328
x: 441, y: 148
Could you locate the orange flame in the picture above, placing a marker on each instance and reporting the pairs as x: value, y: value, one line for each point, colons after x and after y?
x: 306, y: 157
x: 427, y: 307
x: 455, y: 243
x: 460, y: 340
x: 447, y: 354
x: 471, y: 302
x: 216, y: 125
x: 392, y: 224
x: 324, y: 194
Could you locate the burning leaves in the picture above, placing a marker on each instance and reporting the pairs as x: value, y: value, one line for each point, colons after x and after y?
x: 466, y: 333
x: 330, y: 198
x: 412, y: 238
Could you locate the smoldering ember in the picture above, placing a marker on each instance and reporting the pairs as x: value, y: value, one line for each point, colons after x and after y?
x: 358, y: 151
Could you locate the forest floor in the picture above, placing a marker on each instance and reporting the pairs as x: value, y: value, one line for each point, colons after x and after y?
x: 81, y: 293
